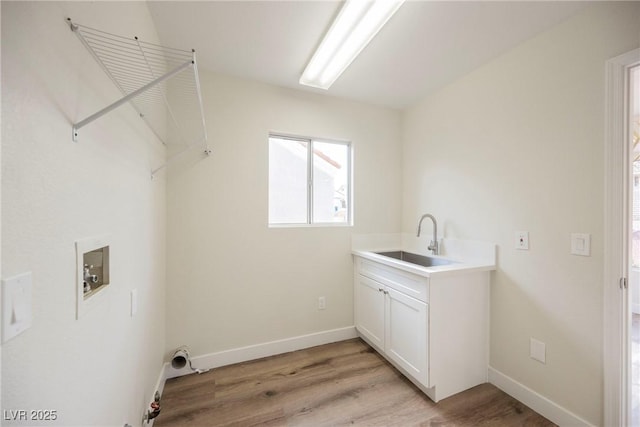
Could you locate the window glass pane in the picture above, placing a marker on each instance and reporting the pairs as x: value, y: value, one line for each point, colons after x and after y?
x: 287, y: 181
x: 330, y: 182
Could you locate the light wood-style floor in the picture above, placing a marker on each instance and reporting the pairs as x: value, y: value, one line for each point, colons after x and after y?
x: 345, y: 383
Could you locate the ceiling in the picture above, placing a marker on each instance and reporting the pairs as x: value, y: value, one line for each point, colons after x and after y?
x: 424, y: 46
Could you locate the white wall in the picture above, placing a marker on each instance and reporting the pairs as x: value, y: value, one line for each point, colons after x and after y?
x: 232, y: 281
x: 1, y: 203
x: 515, y: 145
x: 518, y: 145
x: 101, y: 369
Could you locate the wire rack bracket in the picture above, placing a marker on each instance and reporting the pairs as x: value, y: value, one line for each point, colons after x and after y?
x: 160, y: 83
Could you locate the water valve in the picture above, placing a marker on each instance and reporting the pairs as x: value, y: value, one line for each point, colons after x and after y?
x: 155, y: 408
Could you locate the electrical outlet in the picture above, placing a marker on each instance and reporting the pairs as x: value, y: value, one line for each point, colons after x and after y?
x: 522, y: 240
x: 322, y: 303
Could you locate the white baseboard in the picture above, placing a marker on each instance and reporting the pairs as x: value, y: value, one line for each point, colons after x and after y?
x: 257, y: 351
x: 535, y: 401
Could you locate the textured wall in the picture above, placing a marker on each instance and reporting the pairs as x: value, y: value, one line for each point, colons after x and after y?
x: 232, y: 280
x: 102, y: 368
x: 518, y: 145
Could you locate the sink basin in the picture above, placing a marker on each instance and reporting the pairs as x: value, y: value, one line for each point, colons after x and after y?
x: 425, y: 261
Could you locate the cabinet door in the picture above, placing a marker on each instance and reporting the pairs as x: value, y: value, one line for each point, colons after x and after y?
x: 369, y: 310
x: 406, y: 334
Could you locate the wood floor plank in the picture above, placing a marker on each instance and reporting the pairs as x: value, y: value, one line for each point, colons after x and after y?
x: 339, y: 384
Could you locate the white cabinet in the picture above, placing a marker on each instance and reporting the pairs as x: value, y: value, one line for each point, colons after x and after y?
x: 433, y: 328
x: 406, y: 333
x: 393, y: 323
x: 369, y: 310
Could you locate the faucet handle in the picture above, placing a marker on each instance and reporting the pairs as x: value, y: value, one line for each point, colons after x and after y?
x: 433, y: 247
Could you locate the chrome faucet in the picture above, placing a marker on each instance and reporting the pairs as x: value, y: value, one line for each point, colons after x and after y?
x: 433, y: 246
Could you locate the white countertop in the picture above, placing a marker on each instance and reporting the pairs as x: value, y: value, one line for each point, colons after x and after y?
x: 455, y: 268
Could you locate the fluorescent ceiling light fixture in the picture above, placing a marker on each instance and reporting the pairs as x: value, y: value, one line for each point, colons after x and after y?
x: 357, y: 23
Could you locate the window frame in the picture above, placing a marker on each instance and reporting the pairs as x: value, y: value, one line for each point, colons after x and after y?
x: 310, y: 188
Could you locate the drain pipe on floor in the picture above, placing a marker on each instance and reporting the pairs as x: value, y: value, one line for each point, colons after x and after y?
x: 180, y: 359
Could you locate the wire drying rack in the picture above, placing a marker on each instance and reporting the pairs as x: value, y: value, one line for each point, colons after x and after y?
x: 160, y: 83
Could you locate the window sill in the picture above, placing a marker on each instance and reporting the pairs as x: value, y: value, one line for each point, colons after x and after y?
x: 319, y: 225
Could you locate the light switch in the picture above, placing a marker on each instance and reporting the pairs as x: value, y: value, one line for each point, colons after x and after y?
x: 581, y: 244
x: 134, y: 302
x: 16, y: 305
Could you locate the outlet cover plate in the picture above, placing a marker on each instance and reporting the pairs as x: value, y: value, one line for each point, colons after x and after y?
x: 538, y: 350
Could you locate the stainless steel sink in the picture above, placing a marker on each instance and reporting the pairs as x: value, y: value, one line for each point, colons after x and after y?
x: 425, y: 261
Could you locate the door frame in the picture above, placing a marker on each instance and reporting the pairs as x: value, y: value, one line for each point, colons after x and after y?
x: 616, y: 243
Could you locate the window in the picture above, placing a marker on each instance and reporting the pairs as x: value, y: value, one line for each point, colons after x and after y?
x: 309, y: 181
